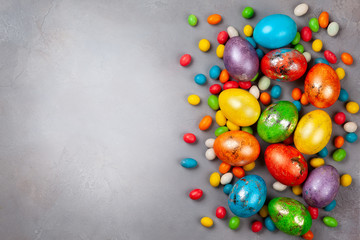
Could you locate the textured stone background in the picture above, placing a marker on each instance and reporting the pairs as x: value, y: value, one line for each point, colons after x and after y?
x: 93, y: 109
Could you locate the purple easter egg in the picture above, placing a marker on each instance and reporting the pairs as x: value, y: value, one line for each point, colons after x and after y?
x: 321, y: 186
x: 240, y: 59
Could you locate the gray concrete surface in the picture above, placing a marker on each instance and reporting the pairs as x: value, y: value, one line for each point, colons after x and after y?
x: 93, y: 109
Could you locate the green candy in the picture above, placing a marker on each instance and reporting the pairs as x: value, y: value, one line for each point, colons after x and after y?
x: 299, y: 47
x: 277, y: 122
x: 247, y: 129
x: 256, y: 76
x: 234, y: 222
x: 339, y: 155
x: 213, y: 102
x: 192, y: 20
x: 290, y: 216
x: 314, y: 24
x: 221, y: 130
x: 248, y: 12
x: 330, y: 221
x: 296, y: 39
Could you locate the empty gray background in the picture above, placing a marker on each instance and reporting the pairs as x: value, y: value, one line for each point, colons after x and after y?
x: 93, y: 108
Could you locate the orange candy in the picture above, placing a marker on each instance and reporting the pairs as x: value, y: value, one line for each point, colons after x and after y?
x: 308, y: 236
x: 296, y: 94
x: 214, y: 19
x: 347, y: 58
x: 324, y: 19
x: 238, y: 172
x: 339, y: 141
x: 224, y: 76
x: 265, y: 98
x: 304, y: 100
x: 224, y: 167
x: 205, y: 123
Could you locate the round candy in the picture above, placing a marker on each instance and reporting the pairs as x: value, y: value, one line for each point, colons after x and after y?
x: 317, y: 162
x: 205, y: 123
x: 339, y: 118
x: 254, y: 90
x: 352, y: 107
x: 296, y: 39
x: 324, y: 19
x: 330, y: 56
x: 193, y: 99
x: 299, y: 48
x: 214, y: 19
x: 264, y: 83
x: 249, y: 167
x: 256, y: 226
x: 234, y: 222
x: 323, y: 153
x: 276, y: 91
x: 220, y: 51
x: 196, y: 194
x: 210, y: 154
x: 317, y: 45
x: 220, y: 118
x: 221, y: 130
x: 231, y: 126
x: 214, y: 72
x: 200, y: 79
x: 224, y: 76
x: 297, y: 190
x: 248, y: 30
x: 204, y: 45
x: 248, y: 12
x: 321, y: 60
x: 188, y: 163
x: 232, y: 32
x: 307, y: 55
x: 222, y: 37
x: 220, y: 212
x: 264, y: 211
x: 333, y: 29
x: 231, y: 84
x: 215, y: 89
x: 247, y: 129
x: 330, y: 221
x: 251, y: 41
x: 297, y: 105
x: 345, y: 180
x: 340, y: 72
x: 351, y: 137
x: 209, y: 142
x: 350, y: 127
x: 308, y: 236
x: 238, y: 172
x: 227, y: 189
x: 226, y: 178
x: 245, y: 85
x: 306, y: 34
x: 206, y: 222
x: 314, y: 212
x: 331, y: 206
x: 347, y: 58
x: 269, y: 224
x: 314, y: 24
x: 344, y: 95
x: 189, y: 138
x: 260, y: 53
x: 265, y: 98
x: 224, y: 167
x: 339, y: 141
x: 192, y: 20
x: 278, y: 186
x: 185, y: 60
x: 213, y: 102
x: 301, y: 9
x: 214, y: 179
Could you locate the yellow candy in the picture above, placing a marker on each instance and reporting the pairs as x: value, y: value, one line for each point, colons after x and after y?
x: 352, y: 107
x: 231, y: 126
x: 297, y: 190
x: 317, y: 45
x: 345, y: 180
x: 248, y: 30
x: 220, y: 118
x: 317, y: 162
x: 340, y: 72
x: 264, y: 211
x: 214, y: 179
x: 194, y: 99
x: 206, y: 222
x: 249, y: 167
x: 204, y: 45
x: 220, y: 51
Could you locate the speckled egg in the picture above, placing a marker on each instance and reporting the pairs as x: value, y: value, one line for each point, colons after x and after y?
x: 290, y: 216
x: 284, y: 64
x: 321, y: 186
x: 277, y: 122
x: 247, y: 196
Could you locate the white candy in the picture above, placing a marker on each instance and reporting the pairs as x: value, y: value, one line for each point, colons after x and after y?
x: 209, y: 142
x: 254, y: 90
x: 226, y: 178
x: 350, y: 127
x: 307, y: 55
x: 232, y: 32
x: 210, y: 154
x: 278, y: 186
x: 264, y: 83
x: 301, y: 9
x: 333, y: 29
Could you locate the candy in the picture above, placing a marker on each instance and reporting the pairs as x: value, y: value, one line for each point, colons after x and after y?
x: 251, y: 41
x: 339, y: 141
x: 297, y: 105
x: 352, y: 107
x: 234, y: 222
x: 330, y: 221
x: 249, y: 166
x: 220, y: 212
x: 297, y: 190
x: 296, y: 39
x: 269, y: 224
x: 254, y: 90
x: 193, y: 99
x: 317, y: 162
x: 213, y: 102
x: 275, y: 91
x: 264, y: 211
x: 333, y: 29
x: 330, y: 56
x: 344, y: 95
x: 340, y: 72
x: 200, y: 79
x: 204, y: 45
x: 248, y: 30
x: 214, y: 72
x: 224, y: 168
x: 296, y: 94
x: 314, y: 212
x: 265, y: 98
x: 185, y: 60
x: 226, y: 178
x: 248, y: 130
x: 324, y: 19
x: 215, y: 89
x: 306, y: 34
x: 260, y: 53
x: 220, y: 118
x: 299, y: 47
x: 188, y: 163
x: 347, y: 58
x: 214, y: 19
x: 232, y: 32
x: 307, y: 56
x: 220, y: 51
x: 264, y: 83
x: 331, y: 206
x: 350, y: 127
x: 192, y: 20
x: 256, y: 226
x: 238, y: 172
x: 301, y: 9
x: 321, y: 60
x: 339, y: 118
x: 206, y: 222
x: 205, y: 123
x: 308, y: 236
x: 224, y: 76
x: 227, y: 189
x: 231, y: 84
x: 222, y: 37
x: 245, y: 85
x: 210, y: 154
x: 189, y: 138
x: 317, y: 45
x: 196, y: 194
x: 351, y: 137
x: 314, y: 24
x: 209, y: 142
x: 254, y: 78
x: 278, y: 186
x: 232, y: 126
x: 214, y: 179
x: 339, y: 155
x: 248, y: 12
x: 323, y: 153
x: 221, y: 130
x: 345, y: 180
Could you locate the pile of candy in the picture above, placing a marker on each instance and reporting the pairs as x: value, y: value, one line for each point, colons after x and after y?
x: 235, y: 100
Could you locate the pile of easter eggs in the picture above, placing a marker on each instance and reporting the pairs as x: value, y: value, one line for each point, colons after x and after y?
x: 290, y: 136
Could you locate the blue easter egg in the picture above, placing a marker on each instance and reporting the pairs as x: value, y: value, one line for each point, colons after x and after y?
x: 275, y: 91
x: 344, y: 95
x: 321, y: 60
x: 214, y: 72
x: 188, y: 163
x: 275, y: 31
x: 351, y: 137
x: 297, y: 105
x: 247, y: 196
x: 331, y: 206
x: 323, y: 153
x: 251, y: 41
x: 200, y: 79
x: 260, y: 53
x: 269, y: 224
x: 227, y: 188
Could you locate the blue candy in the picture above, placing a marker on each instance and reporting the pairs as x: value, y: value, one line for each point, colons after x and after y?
x: 321, y: 60
x: 260, y: 53
x: 351, y: 137
x: 344, y: 96
x: 188, y: 163
x: 251, y: 41
x: 276, y: 91
x: 215, y: 72
x: 297, y: 105
x: 200, y: 79
x: 323, y: 153
x: 227, y: 188
x: 331, y: 206
x: 269, y: 224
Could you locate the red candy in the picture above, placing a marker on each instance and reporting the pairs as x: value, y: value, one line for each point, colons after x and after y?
x: 308, y: 236
x: 256, y: 226
x: 330, y: 56
x: 222, y: 37
x: 230, y: 84
x: 314, y: 212
x: 185, y: 60
x: 189, y: 138
x: 215, y: 89
x: 306, y: 34
x: 220, y: 212
x: 289, y: 140
x: 245, y: 85
x: 196, y: 194
x: 339, y: 118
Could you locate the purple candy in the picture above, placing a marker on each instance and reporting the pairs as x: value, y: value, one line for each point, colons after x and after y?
x: 321, y: 186
x: 240, y: 59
